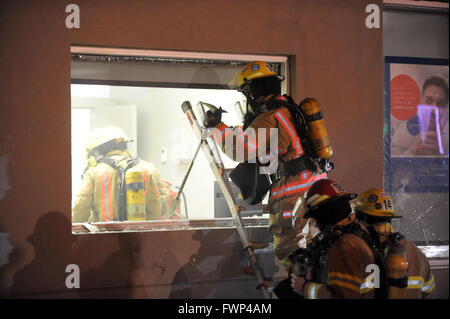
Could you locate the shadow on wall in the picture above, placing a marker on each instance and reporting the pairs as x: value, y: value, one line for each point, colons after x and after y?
x: 55, y: 248
x: 52, y: 243
x: 216, y: 270
x: 8, y: 257
x: 114, y: 279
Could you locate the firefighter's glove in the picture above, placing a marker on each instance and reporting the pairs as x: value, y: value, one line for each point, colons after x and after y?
x: 213, y: 118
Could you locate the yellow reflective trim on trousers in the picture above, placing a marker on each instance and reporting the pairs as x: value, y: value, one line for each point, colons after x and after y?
x: 345, y: 276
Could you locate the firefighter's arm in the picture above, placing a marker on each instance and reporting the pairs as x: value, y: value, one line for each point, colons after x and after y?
x: 347, y: 277
x: 243, y: 146
x: 84, y: 199
x: 153, y: 199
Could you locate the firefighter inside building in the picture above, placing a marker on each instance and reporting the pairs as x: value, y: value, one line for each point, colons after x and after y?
x: 299, y: 164
x: 351, y: 249
x: 117, y: 186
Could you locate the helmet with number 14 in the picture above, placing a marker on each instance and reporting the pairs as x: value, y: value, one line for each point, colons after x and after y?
x: 376, y: 203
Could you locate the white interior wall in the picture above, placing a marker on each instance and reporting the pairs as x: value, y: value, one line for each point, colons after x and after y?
x: 81, y: 126
x: 84, y: 98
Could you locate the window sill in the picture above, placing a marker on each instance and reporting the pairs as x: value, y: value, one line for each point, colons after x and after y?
x: 165, y: 225
x: 435, y: 251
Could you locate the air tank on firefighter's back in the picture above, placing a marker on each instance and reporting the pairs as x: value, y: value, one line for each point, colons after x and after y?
x: 135, y: 194
x: 318, y: 133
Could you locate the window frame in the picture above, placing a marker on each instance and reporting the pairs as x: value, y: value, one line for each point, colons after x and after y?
x: 177, y: 224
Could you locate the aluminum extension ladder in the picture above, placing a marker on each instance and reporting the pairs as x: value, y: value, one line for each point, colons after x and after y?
x: 211, y: 151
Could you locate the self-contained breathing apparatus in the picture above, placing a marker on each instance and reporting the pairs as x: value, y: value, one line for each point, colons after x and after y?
x: 310, y: 262
x: 396, y: 267
x: 313, y: 258
x: 389, y: 256
x: 130, y: 192
x: 310, y: 126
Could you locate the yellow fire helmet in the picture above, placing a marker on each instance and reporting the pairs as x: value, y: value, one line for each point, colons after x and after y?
x: 376, y: 202
x: 103, y: 135
x: 253, y: 70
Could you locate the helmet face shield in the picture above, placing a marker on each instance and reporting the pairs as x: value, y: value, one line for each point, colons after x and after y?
x: 299, y: 210
x: 234, y: 83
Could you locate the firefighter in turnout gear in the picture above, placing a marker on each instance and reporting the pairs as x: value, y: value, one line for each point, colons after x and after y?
x: 267, y: 110
x: 340, y: 253
x: 115, y: 185
x: 375, y: 209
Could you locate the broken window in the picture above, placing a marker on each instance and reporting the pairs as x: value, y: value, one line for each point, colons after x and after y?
x: 415, y: 45
x: 135, y: 96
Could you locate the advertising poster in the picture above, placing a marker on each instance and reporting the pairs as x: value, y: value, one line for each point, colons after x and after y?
x: 416, y: 125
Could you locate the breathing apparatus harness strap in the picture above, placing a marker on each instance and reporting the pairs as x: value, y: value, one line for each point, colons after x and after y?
x: 246, y: 176
x: 121, y: 188
x: 304, y: 162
